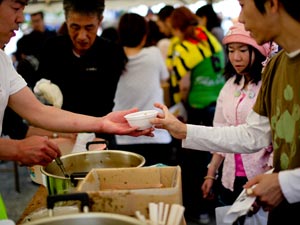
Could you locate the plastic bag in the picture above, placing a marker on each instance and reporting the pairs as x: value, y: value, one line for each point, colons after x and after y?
x: 259, y: 218
x: 48, y: 93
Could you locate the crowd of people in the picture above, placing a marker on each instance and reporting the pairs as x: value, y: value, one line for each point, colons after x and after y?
x: 239, y: 95
x: 39, y: 150
x: 268, y: 122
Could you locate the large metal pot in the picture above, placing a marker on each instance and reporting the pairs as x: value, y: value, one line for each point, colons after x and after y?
x: 88, y: 218
x: 77, y: 165
x: 83, y: 217
x: 66, y: 146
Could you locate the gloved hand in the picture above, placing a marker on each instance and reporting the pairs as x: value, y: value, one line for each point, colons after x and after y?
x: 48, y: 91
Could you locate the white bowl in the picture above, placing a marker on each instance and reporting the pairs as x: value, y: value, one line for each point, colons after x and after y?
x: 141, y: 119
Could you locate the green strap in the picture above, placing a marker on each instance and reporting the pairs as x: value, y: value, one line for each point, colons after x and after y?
x: 3, y: 214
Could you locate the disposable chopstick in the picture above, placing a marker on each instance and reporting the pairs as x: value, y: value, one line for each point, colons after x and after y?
x: 140, y: 216
x: 160, y: 212
x: 175, y: 215
x: 179, y: 214
x: 165, y: 214
x: 172, y: 215
x: 153, y: 213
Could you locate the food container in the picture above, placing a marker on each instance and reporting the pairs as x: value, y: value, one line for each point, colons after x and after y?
x: 127, y: 190
x: 141, y: 118
x: 78, y: 165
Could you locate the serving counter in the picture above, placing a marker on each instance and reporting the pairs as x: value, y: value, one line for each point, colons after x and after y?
x: 122, y: 191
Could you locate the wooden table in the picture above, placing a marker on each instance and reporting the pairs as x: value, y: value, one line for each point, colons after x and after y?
x: 38, y: 201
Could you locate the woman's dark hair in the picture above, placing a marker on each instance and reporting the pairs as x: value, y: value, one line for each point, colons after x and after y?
x: 110, y: 33
x: 132, y: 29
x: 186, y: 21
x: 154, y: 34
x: 213, y: 20
x: 254, y: 69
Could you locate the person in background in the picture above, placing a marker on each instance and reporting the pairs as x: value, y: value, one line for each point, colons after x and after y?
x: 154, y: 35
x: 164, y: 25
x: 211, y: 20
x: 83, y: 65
x: 198, y: 64
x: 163, y: 20
x: 37, y: 150
x: 27, y: 63
x: 142, y: 79
x: 275, y: 115
x: 63, y: 29
x: 235, y: 101
x: 29, y: 46
x: 35, y: 40
x: 110, y: 33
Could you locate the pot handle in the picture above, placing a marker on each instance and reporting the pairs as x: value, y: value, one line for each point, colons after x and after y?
x: 87, y: 146
x: 82, y: 197
x: 74, y: 177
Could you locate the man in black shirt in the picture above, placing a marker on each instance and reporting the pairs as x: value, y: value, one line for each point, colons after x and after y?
x: 85, y: 66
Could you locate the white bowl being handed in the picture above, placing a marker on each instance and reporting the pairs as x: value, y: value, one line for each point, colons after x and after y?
x: 141, y: 119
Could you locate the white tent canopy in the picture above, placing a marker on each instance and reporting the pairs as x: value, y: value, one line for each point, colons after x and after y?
x: 56, y: 6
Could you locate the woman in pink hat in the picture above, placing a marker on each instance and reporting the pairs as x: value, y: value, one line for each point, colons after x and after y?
x: 235, y: 101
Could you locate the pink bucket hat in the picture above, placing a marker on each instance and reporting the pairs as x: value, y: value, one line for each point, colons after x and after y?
x: 237, y: 33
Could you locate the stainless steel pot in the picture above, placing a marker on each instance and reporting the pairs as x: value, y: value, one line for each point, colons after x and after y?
x: 88, y: 218
x: 77, y: 165
x: 84, y: 217
x: 66, y: 146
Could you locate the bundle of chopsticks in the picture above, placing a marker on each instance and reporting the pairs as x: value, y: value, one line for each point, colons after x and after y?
x: 162, y: 214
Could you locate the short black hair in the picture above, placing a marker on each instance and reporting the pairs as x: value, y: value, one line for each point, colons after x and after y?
x: 132, y: 29
x: 23, y: 2
x: 213, y: 20
x: 38, y: 13
x: 165, y: 12
x: 290, y: 6
x: 84, y: 7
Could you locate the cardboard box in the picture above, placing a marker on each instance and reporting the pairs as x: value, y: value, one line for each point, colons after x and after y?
x: 126, y: 190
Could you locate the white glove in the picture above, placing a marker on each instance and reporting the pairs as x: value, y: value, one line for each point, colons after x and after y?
x: 49, y: 91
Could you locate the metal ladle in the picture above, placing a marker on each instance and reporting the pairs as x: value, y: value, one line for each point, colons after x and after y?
x: 61, y: 166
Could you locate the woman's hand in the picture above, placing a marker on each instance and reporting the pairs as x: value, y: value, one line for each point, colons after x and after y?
x: 168, y: 121
x: 207, y: 188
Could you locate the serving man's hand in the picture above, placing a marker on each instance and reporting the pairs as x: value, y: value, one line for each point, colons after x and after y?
x: 115, y: 123
x: 36, y: 150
